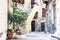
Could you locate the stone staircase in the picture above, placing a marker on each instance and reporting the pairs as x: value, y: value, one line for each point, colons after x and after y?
x: 30, y: 17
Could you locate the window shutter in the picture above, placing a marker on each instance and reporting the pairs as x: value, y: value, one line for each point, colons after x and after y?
x: 43, y: 12
x: 22, y: 1
x: 18, y: 1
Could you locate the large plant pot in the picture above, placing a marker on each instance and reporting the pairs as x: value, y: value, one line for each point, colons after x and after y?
x: 11, y: 35
x: 18, y: 31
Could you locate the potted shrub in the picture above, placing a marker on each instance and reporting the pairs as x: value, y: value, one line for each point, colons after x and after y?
x: 18, y: 18
x: 11, y: 33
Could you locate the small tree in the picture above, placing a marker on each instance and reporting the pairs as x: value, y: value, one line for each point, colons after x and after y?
x: 17, y: 17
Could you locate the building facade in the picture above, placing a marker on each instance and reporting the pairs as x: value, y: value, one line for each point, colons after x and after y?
x: 48, y: 23
x: 46, y: 14
x: 31, y: 7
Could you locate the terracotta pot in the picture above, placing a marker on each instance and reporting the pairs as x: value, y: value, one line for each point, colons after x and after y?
x: 18, y: 31
x: 11, y: 35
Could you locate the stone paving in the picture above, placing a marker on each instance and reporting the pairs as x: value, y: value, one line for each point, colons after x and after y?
x: 40, y: 36
x: 35, y: 36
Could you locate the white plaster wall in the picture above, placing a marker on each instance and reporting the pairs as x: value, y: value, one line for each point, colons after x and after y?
x: 26, y: 6
x: 39, y: 12
x: 27, y: 3
x: 3, y: 19
x: 58, y: 16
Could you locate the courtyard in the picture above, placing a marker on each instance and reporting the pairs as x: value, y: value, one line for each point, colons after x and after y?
x: 34, y: 36
x: 40, y: 19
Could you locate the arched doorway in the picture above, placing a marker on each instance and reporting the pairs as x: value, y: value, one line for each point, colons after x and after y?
x: 33, y: 26
x: 33, y: 23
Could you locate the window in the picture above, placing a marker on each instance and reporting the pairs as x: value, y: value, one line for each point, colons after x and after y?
x: 42, y: 26
x: 22, y: 1
x: 19, y: 1
x: 32, y: 3
x: 43, y: 12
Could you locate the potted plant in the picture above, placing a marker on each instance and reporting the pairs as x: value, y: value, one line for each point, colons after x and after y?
x: 18, y: 18
x: 11, y: 33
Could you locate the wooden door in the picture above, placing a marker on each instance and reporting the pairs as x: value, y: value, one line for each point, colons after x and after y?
x: 33, y: 26
x: 42, y: 26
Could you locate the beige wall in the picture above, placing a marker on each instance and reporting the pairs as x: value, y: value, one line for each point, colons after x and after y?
x: 28, y: 3
x: 10, y: 6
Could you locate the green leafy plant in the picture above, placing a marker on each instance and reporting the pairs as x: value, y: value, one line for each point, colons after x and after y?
x: 11, y: 30
x: 18, y: 17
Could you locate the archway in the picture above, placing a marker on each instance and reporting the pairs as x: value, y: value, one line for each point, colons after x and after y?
x: 33, y: 26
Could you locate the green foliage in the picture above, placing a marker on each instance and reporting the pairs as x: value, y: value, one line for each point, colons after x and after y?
x: 12, y: 30
x: 17, y: 17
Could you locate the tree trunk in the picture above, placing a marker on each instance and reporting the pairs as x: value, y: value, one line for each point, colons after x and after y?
x: 13, y: 25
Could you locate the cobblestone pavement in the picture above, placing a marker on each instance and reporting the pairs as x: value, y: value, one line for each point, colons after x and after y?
x: 35, y: 36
